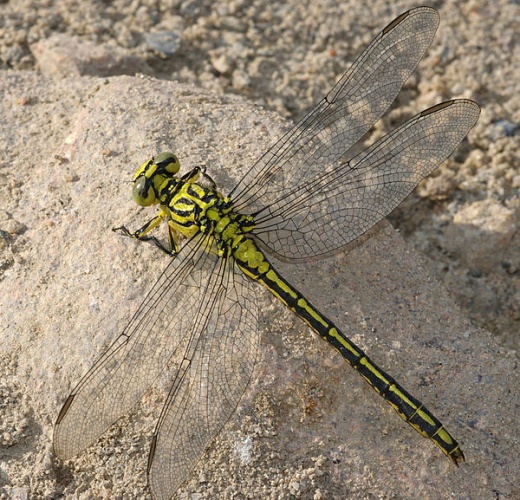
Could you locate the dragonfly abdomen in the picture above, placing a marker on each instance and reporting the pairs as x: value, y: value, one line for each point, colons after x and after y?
x: 253, y: 262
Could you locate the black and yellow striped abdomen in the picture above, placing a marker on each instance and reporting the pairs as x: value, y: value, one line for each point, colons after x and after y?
x: 251, y: 260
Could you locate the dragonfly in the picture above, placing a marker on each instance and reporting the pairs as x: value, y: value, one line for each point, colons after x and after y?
x: 306, y: 198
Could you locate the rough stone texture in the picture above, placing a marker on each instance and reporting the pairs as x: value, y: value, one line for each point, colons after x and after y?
x: 308, y: 427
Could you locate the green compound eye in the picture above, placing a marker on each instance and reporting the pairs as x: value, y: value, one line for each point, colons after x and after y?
x: 167, y: 162
x: 142, y: 192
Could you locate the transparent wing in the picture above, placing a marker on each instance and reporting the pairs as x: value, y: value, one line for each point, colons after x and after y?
x: 341, y: 203
x: 348, y: 111
x: 214, y: 376
x: 152, y: 341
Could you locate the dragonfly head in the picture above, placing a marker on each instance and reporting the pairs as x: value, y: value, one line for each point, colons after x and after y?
x: 151, y: 175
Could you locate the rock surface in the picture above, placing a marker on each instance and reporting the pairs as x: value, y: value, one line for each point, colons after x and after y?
x: 308, y: 427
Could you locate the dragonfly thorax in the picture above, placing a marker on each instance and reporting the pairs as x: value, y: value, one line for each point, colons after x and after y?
x: 188, y: 205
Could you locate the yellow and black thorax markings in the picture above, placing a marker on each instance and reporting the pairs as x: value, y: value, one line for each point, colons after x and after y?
x: 192, y: 207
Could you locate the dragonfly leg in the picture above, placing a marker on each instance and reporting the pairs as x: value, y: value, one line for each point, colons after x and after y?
x: 142, y: 234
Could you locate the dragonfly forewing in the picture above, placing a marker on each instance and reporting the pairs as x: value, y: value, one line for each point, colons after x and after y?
x: 349, y: 110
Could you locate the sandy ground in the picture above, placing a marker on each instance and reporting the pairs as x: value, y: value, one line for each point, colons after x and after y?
x: 71, y: 140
